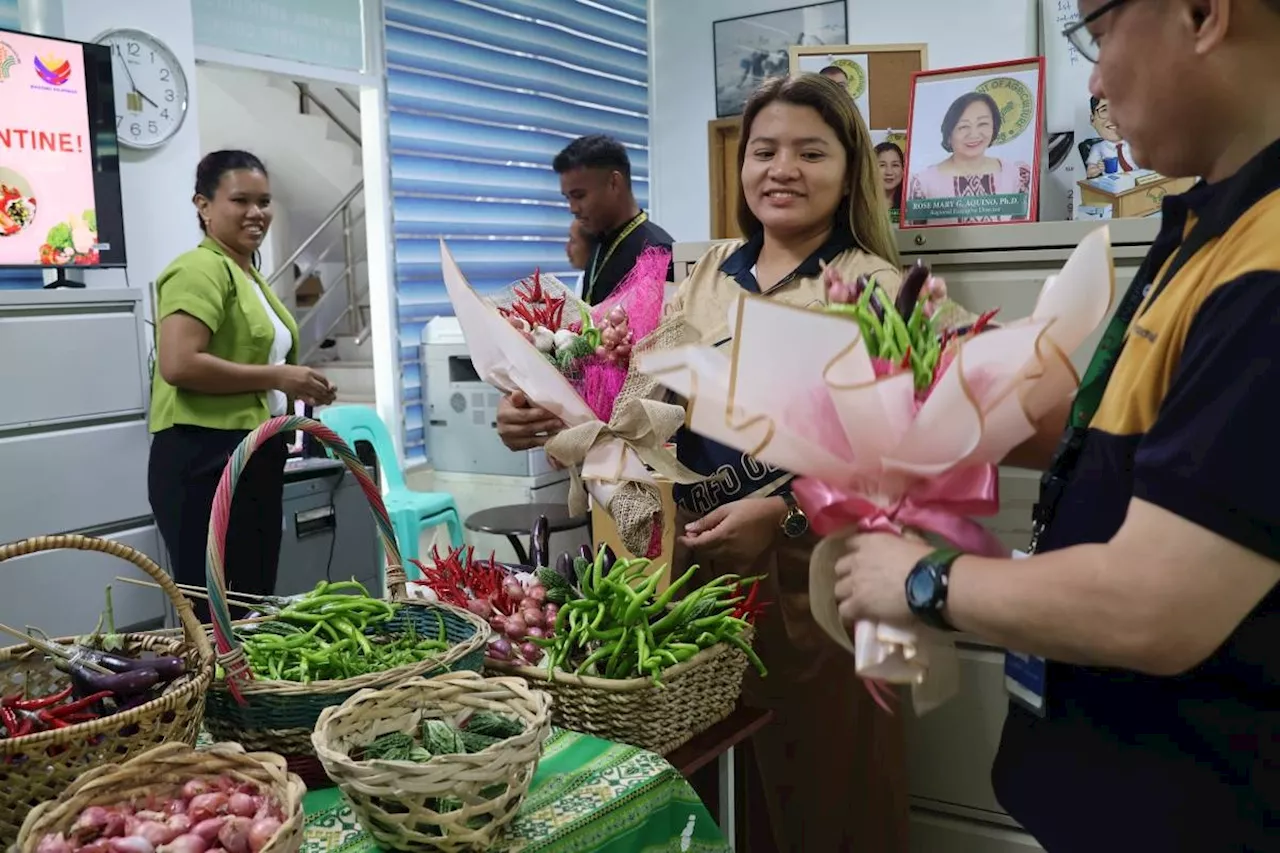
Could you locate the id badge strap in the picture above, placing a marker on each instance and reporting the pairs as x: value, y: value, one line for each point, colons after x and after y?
x: 1026, y: 676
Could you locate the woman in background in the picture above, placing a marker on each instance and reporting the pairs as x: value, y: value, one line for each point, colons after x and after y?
x: 970, y: 126
x: 227, y: 361
x: 889, y: 158
x: 578, y: 250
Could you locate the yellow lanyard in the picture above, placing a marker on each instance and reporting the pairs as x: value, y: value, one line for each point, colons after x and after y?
x: 597, y: 264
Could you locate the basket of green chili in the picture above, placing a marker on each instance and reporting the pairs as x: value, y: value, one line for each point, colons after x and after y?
x: 631, y: 665
x: 316, y: 650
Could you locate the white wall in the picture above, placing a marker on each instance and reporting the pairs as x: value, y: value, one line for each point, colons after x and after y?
x: 682, y: 84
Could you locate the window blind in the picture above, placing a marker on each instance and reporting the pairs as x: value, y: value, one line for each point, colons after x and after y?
x: 482, y: 95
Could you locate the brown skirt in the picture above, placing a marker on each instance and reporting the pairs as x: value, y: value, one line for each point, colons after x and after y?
x: 832, y: 764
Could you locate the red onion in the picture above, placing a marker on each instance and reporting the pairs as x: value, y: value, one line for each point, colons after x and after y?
x: 531, y: 653
x: 185, y: 844
x: 514, y: 591
x: 117, y: 824
x: 155, y: 832
x: 537, y: 593
x: 102, y: 845
x: 224, y: 784
x: 209, y: 829
x: 54, y: 844
x: 480, y: 607
x: 91, y: 823
x: 551, y: 611
x: 180, y: 824
x: 131, y: 844
x: 617, y: 314
x: 516, y: 627
x: 500, y: 649
x: 498, y: 622
x: 234, y: 835
x: 194, y: 788
x: 206, y: 806
x: 532, y: 618
x: 176, y: 806
x: 261, y: 833
x: 242, y: 805
x: 535, y: 632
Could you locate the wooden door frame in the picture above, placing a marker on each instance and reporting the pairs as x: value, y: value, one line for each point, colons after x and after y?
x: 721, y: 218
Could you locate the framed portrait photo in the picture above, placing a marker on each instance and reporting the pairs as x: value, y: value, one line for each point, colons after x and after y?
x: 973, y: 150
x: 753, y: 48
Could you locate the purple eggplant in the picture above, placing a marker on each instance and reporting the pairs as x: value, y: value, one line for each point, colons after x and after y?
x: 123, y: 684
x: 540, y: 543
x: 912, y: 285
x: 168, y: 667
x: 608, y: 559
x: 586, y: 553
x: 564, y: 568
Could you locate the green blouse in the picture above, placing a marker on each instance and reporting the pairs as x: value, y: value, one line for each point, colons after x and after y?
x: 209, y: 286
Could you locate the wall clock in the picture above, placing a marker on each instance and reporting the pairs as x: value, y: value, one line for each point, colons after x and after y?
x: 150, y: 88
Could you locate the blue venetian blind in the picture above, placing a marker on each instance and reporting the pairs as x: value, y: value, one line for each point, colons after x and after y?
x: 16, y: 278
x: 482, y: 95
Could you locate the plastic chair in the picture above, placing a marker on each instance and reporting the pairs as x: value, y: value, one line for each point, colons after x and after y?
x: 411, y: 511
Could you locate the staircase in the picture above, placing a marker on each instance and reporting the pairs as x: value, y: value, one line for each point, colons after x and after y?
x: 308, y: 138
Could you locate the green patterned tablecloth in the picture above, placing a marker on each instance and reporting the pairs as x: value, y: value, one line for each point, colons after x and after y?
x: 588, y: 796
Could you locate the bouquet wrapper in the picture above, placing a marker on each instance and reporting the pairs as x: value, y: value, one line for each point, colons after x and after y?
x: 615, y: 457
x: 798, y: 389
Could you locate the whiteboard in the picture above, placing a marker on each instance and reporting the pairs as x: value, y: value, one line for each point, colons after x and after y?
x: 1066, y: 71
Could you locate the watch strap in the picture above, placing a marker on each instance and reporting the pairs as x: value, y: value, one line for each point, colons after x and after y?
x: 937, y: 565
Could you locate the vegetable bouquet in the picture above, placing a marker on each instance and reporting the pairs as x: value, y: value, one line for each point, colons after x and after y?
x: 890, y: 423
x: 614, y: 430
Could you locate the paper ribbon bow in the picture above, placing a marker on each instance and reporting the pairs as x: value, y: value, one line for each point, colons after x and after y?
x: 642, y: 425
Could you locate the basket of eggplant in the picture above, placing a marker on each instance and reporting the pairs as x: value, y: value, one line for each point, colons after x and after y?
x: 70, y: 704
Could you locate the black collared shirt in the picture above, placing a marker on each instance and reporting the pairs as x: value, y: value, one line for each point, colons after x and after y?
x: 1125, y: 761
x: 606, y: 271
x: 741, y: 264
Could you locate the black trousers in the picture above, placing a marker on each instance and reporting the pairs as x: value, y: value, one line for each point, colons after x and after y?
x: 182, y: 475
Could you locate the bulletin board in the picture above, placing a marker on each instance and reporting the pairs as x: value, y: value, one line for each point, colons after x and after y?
x: 879, y: 76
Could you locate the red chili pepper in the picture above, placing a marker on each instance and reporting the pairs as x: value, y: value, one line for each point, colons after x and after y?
x: 52, y: 721
x: 10, y: 720
x: 982, y: 322
x: 42, y: 701
x: 10, y: 699
x: 79, y: 704
x: 79, y: 717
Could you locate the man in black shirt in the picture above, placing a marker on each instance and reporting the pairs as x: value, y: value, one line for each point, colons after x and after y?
x: 1146, y: 624
x: 595, y: 178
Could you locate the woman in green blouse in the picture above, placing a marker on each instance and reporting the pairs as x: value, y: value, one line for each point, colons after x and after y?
x: 227, y: 361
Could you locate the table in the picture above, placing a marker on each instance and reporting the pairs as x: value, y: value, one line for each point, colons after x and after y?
x: 588, y: 796
x: 517, y: 520
x: 1141, y: 200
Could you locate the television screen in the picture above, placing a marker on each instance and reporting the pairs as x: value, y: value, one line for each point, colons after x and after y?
x: 59, y: 161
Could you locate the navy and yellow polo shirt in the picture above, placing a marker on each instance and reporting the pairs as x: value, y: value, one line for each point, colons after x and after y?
x: 1125, y: 761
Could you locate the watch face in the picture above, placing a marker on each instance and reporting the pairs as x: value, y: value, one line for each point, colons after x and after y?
x: 795, y: 525
x: 150, y: 88
x: 920, y: 587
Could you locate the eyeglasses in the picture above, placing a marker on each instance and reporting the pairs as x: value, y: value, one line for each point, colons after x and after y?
x: 1080, y: 37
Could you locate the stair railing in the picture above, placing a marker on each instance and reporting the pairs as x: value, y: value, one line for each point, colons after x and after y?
x: 307, y: 98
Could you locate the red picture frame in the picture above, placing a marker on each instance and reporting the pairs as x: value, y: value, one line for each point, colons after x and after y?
x: 990, y: 70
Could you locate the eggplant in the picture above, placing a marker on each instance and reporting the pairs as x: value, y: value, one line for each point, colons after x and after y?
x: 122, y: 684
x: 540, y: 543
x: 168, y: 667
x: 912, y: 284
x: 564, y: 568
x: 608, y: 559
x: 586, y: 553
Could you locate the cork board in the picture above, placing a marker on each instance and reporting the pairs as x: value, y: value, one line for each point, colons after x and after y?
x: 886, y: 100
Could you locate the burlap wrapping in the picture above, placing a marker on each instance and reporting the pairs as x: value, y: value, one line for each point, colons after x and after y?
x: 645, y: 425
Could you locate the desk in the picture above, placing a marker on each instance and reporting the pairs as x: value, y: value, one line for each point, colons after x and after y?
x: 1142, y: 200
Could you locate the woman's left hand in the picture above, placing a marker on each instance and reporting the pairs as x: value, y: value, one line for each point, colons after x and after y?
x: 739, y: 532
x: 871, y: 578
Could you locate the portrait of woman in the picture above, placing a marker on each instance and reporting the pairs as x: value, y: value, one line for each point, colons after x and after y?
x: 890, y: 159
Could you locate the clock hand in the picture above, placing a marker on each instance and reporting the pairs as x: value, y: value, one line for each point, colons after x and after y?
x: 129, y: 75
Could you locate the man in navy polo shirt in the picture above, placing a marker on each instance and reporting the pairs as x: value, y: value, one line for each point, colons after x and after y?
x: 1146, y: 688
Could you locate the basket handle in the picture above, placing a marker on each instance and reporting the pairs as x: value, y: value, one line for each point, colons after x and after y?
x: 191, y: 627
x: 230, y: 653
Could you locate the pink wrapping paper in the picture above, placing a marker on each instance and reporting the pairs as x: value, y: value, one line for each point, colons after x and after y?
x: 798, y: 389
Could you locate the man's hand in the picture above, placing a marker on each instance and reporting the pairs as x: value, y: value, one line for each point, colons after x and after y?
x: 740, y: 531
x: 522, y: 425
x: 1093, y: 170
x: 871, y: 578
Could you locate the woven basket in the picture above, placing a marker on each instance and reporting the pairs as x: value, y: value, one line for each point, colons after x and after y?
x: 391, y: 797
x: 38, y: 767
x: 162, y: 772
x: 698, y: 693
x: 279, y: 716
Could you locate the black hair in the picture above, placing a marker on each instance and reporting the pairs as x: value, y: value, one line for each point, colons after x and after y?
x: 594, y: 152
x: 883, y: 148
x: 1094, y: 103
x: 957, y: 108
x: 214, y: 165
x: 836, y: 68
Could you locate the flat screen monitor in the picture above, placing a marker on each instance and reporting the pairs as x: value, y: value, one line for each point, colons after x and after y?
x: 60, y: 203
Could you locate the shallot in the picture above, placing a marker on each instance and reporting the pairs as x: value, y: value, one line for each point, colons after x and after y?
x: 500, y: 649
x: 54, y: 844
x: 155, y: 833
x: 208, y: 829
x: 261, y: 833
x: 131, y: 844
x: 194, y: 788
x: 242, y: 805
x: 480, y: 607
x: 530, y: 652
x: 205, y: 806
x: 516, y: 627
x: 535, y: 632
x: 185, y: 844
x: 234, y: 835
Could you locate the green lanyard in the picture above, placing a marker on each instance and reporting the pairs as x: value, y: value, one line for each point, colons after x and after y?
x: 597, y: 265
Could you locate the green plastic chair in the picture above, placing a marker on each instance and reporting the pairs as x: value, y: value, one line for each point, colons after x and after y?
x: 411, y: 511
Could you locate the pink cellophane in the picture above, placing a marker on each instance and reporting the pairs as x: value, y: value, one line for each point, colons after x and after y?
x: 797, y: 389
x: 640, y: 294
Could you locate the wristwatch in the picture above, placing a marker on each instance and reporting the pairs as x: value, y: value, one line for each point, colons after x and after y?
x: 927, y: 585
x: 795, y: 523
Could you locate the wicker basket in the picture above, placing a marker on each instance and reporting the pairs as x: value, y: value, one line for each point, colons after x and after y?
x: 391, y: 798
x: 696, y: 695
x: 279, y: 716
x: 38, y: 767
x: 162, y: 772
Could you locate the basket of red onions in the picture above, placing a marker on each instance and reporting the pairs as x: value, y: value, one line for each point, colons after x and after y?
x: 174, y: 799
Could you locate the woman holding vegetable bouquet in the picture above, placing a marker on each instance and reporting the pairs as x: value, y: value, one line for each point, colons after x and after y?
x: 227, y: 354
x: 831, y: 763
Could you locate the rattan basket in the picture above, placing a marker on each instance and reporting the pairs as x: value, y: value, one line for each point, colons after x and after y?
x: 162, y: 772
x: 279, y: 716
x: 36, y: 768
x: 396, y: 801
x: 696, y: 695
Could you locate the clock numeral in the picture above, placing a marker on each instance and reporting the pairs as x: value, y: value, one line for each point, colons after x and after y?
x: 152, y: 127
x: 135, y: 129
x: 169, y: 95
x: 119, y: 121
x: 164, y: 114
x: 135, y: 49
x: 165, y: 74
